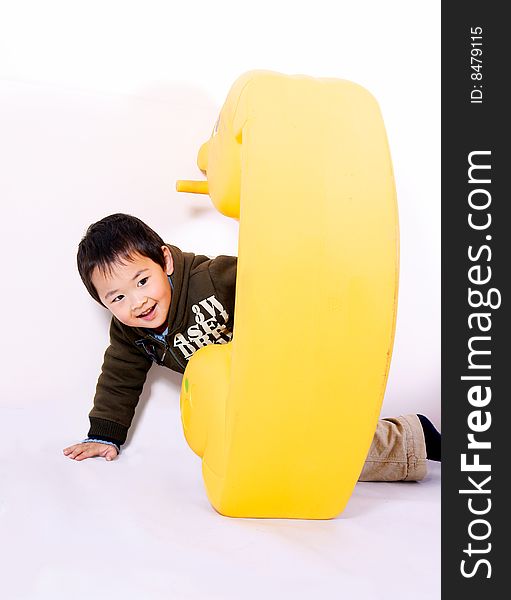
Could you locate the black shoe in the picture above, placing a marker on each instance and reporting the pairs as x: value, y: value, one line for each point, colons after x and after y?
x: 433, y: 439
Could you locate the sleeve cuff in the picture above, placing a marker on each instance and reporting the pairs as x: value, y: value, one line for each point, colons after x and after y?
x: 107, y: 431
x: 103, y: 442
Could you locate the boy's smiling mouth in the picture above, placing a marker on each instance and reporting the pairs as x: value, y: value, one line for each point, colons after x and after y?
x: 147, y: 314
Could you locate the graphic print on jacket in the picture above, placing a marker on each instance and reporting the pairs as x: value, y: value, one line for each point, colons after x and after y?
x: 210, y: 327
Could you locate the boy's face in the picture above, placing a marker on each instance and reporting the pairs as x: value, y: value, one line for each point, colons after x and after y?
x: 137, y: 292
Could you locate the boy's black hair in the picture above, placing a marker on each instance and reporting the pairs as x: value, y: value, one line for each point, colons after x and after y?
x: 114, y: 239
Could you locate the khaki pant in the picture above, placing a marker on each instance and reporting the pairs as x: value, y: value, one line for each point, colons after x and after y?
x: 398, y: 451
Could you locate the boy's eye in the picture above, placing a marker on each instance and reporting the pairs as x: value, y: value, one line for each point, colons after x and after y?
x: 143, y: 281
x: 118, y: 298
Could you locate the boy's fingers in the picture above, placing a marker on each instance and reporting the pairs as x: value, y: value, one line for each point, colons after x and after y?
x: 75, y: 447
x: 73, y: 451
x: 89, y: 450
x: 109, y: 453
x: 77, y: 452
x: 88, y: 453
x: 84, y: 455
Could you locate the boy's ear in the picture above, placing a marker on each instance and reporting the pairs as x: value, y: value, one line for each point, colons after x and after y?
x: 169, y: 261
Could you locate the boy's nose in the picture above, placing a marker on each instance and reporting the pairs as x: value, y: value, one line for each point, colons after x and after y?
x: 138, y: 303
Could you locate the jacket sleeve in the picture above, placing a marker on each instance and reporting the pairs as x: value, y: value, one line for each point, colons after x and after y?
x: 118, y: 389
x: 223, y: 274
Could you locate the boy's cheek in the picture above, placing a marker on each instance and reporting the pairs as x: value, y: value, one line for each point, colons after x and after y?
x: 118, y: 314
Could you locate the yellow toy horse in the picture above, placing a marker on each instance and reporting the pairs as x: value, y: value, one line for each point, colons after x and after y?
x: 283, y: 416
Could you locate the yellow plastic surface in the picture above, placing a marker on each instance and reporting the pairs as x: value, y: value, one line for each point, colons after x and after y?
x: 194, y: 187
x: 284, y: 415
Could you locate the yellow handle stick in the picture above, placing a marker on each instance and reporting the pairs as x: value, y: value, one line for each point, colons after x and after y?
x: 192, y: 187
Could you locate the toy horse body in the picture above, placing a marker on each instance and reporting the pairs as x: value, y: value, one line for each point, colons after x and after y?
x: 283, y: 416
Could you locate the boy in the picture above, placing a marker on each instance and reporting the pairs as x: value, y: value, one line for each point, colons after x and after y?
x: 166, y: 304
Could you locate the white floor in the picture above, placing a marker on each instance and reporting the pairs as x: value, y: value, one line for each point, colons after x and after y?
x: 142, y: 527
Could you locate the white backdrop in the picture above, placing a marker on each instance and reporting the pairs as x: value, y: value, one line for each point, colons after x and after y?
x: 103, y: 105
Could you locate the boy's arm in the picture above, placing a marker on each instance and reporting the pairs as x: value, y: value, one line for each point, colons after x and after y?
x: 118, y: 389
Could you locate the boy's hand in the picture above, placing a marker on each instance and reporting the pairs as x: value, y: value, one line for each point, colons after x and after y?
x: 89, y: 450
